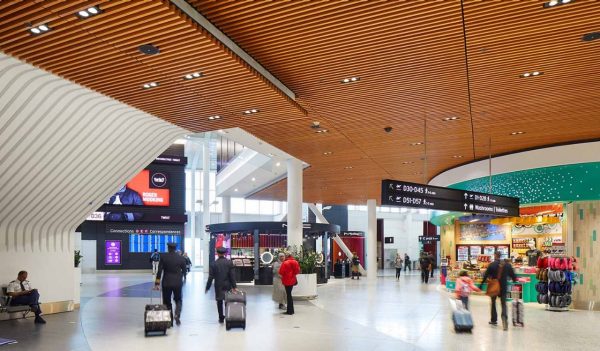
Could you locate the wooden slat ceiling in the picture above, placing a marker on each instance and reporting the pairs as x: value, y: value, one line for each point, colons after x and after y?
x: 410, y: 57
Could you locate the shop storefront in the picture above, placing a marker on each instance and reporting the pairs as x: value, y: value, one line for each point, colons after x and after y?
x: 470, y: 242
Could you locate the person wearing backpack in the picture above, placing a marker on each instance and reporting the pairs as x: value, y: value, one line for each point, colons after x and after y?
x: 464, y: 287
x: 154, y: 259
x: 497, y: 275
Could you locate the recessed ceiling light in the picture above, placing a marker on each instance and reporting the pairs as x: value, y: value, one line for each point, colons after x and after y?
x: 591, y: 36
x: 271, y: 155
x: 517, y: 133
x: 149, y: 49
x: 235, y: 189
x: 89, y: 12
x: 214, y: 117
x: 348, y: 167
x: 327, y: 153
x: 278, y: 164
x: 349, y: 178
x: 190, y: 76
x: 531, y: 74
x: 350, y: 80
x: 150, y: 85
x: 407, y: 162
x: 457, y: 156
x: 250, y: 111
x: 417, y: 143
x: 553, y: 3
x: 453, y: 118
x: 42, y: 28
x: 320, y: 131
x: 253, y: 179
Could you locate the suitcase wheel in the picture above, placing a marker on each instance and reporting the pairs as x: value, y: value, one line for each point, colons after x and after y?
x: 244, y: 326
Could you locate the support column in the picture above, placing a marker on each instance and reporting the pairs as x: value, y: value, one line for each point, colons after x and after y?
x: 371, y: 240
x: 226, y: 209
x: 294, y: 202
x: 205, y: 200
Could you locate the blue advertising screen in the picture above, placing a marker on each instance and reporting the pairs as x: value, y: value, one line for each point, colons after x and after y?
x: 149, y: 242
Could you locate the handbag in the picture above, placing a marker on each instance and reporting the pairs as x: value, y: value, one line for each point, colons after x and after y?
x: 493, y: 287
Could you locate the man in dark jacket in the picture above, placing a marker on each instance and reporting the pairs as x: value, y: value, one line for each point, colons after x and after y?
x: 407, y: 262
x: 221, y: 271
x: 171, y: 267
x: 424, y: 263
x: 500, y: 270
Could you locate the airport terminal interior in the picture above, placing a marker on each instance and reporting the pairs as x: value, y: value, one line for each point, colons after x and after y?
x: 299, y: 175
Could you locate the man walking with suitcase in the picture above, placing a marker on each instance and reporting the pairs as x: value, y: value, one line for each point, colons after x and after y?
x: 170, y: 268
x: 221, y: 271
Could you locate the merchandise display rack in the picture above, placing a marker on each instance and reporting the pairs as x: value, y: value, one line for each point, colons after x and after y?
x: 556, y: 280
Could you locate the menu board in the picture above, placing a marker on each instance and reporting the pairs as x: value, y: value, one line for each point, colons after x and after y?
x: 462, y: 253
x: 475, y: 251
x: 504, y: 251
x: 489, y: 250
x: 112, y: 252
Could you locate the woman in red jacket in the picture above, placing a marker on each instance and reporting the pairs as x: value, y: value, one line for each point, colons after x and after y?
x: 288, y: 271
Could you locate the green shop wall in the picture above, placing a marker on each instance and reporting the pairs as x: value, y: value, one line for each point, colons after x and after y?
x: 565, y: 183
x: 586, y: 247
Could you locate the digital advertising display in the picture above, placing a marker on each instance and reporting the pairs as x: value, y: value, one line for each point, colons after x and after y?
x: 140, y: 243
x: 112, y: 252
x: 148, y: 188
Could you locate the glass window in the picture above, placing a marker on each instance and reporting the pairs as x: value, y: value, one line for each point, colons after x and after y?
x: 238, y: 205
x: 362, y: 208
x: 266, y: 207
x: 252, y: 207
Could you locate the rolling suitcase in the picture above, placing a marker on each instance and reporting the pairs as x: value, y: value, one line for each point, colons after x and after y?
x: 235, y: 310
x: 157, y: 318
x: 461, y: 317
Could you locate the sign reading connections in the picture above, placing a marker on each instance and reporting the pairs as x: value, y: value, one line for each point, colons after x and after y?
x: 429, y: 239
x: 397, y: 193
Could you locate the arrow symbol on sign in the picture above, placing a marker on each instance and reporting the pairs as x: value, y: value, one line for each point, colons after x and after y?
x: 466, y: 195
x: 466, y: 205
x: 392, y: 186
x: 391, y: 198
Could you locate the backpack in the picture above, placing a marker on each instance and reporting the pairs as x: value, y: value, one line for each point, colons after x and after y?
x: 155, y: 257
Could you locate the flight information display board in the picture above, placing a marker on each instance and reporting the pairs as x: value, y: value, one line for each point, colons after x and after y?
x: 405, y: 194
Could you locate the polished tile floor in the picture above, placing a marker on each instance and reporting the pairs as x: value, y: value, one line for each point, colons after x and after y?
x: 384, y: 314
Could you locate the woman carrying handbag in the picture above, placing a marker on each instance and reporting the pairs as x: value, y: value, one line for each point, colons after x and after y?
x: 497, y: 276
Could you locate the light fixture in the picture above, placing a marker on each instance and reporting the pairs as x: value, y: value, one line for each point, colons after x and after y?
x: 553, y: 3
x: 416, y: 144
x: 350, y: 178
x: 190, y: 76
x: 271, y: 155
x: 474, y: 220
x: 322, y: 131
x: 89, y: 12
x: 327, y: 153
x: 517, y: 133
x: 348, y: 167
x: 453, y: 118
x: 457, y: 156
x: 278, y: 164
x: 250, y: 111
x: 150, y: 85
x: 407, y: 162
x: 41, y: 29
x: 531, y: 74
x: 253, y: 179
x: 236, y: 189
x: 350, y: 80
x: 591, y: 36
x: 214, y: 117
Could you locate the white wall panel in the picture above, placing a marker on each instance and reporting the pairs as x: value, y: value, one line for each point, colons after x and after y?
x: 64, y: 150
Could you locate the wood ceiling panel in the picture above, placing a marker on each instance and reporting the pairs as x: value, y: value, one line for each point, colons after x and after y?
x: 411, y: 61
x: 410, y: 57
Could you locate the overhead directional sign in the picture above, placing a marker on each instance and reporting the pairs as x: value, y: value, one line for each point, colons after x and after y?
x: 397, y: 193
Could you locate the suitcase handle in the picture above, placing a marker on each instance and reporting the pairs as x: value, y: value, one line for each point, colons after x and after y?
x: 155, y: 288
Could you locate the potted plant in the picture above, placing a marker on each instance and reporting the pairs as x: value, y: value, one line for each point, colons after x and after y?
x: 307, y: 279
x: 78, y: 258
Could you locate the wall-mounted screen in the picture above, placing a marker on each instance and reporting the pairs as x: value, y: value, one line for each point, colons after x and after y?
x: 148, y: 188
x: 149, y: 242
x: 112, y: 252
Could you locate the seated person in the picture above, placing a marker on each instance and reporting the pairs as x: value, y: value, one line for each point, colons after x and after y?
x: 22, y: 294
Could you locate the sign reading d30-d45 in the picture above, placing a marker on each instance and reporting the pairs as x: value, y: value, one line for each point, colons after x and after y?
x: 398, y: 193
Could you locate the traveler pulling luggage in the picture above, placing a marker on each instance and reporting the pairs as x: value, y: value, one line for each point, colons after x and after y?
x: 157, y: 318
x: 518, y: 308
x: 235, y: 310
x: 461, y: 317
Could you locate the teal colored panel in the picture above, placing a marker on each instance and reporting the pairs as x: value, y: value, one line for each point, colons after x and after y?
x: 581, y: 279
x: 578, y: 254
x: 576, y: 182
x: 594, y: 235
x: 581, y: 214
